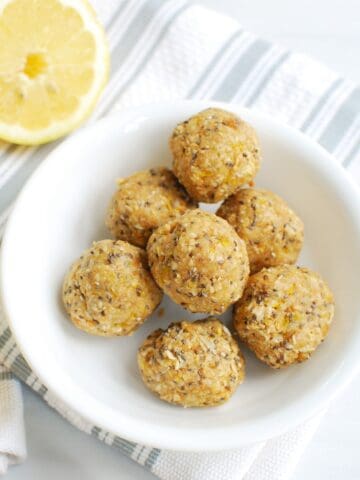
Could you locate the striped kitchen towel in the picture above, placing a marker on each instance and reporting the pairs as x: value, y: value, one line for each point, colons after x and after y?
x: 166, y: 50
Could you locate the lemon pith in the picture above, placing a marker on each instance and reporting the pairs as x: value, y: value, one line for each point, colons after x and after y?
x: 54, y: 63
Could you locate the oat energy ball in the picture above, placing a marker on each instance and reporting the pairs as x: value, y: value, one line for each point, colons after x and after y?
x: 145, y: 201
x: 192, y: 364
x: 109, y: 290
x: 273, y: 233
x: 199, y: 261
x: 214, y: 154
x: 284, y: 314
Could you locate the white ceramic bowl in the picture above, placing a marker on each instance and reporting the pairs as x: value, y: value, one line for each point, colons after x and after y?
x: 61, y: 211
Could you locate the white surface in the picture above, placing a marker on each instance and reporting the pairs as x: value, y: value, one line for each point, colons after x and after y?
x: 328, y: 30
x: 97, y: 377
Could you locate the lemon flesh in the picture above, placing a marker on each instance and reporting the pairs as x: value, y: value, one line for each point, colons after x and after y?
x: 54, y: 63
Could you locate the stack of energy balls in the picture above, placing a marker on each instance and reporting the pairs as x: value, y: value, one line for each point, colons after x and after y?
x: 243, y: 255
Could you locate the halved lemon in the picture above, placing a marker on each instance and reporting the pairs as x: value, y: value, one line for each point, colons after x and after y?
x: 54, y: 63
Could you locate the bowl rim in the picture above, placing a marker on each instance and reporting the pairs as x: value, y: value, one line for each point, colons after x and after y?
x: 95, y: 412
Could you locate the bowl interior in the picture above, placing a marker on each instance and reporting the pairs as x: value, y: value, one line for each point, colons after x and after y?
x: 61, y: 211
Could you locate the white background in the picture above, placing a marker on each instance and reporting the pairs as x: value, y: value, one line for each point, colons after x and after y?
x: 330, y: 31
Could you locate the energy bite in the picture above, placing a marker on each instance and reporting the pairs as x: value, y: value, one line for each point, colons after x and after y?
x: 284, y: 314
x: 192, y: 364
x: 273, y: 233
x: 214, y: 154
x: 199, y: 261
x: 109, y: 290
x: 143, y: 202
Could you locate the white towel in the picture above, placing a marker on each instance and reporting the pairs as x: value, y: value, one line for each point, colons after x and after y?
x: 165, y: 50
x: 12, y: 433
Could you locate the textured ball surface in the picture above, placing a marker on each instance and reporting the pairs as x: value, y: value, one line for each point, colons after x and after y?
x: 192, y: 364
x: 273, y: 233
x: 199, y: 261
x: 109, y: 290
x: 214, y: 154
x: 143, y: 202
x: 284, y: 314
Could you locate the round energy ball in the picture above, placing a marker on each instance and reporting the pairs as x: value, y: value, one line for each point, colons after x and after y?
x: 284, y: 314
x: 273, y: 233
x: 192, y: 364
x: 109, y: 289
x: 145, y: 201
x: 199, y: 261
x: 214, y: 154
